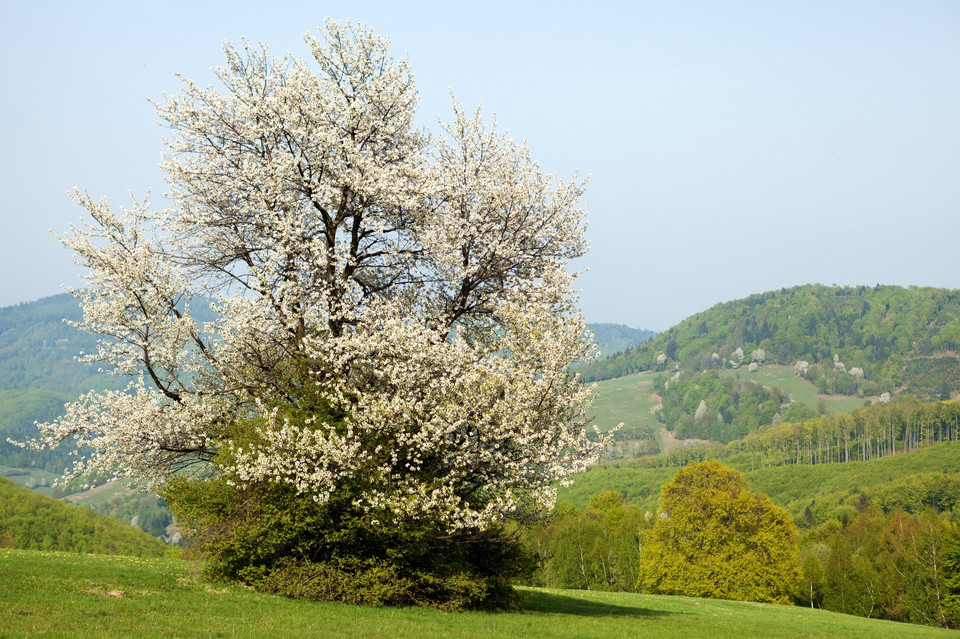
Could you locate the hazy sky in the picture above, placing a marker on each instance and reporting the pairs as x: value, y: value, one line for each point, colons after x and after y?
x: 734, y: 147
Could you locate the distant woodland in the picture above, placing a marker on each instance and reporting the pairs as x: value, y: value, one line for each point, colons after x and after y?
x: 852, y: 341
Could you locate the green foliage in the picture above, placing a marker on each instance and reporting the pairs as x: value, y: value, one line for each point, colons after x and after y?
x: 721, y: 409
x: 20, y: 409
x: 812, y: 493
x: 797, y: 412
x: 36, y: 522
x: 875, y: 544
x: 145, y: 511
x: 878, y: 430
x: 933, y: 377
x: 951, y: 569
x: 269, y: 537
x: 714, y: 538
x: 639, y: 485
x: 38, y: 375
x: 38, y: 348
x: 598, y: 549
x: 902, y: 339
x: 889, y: 566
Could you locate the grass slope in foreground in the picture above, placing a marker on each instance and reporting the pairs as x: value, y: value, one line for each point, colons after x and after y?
x: 68, y: 595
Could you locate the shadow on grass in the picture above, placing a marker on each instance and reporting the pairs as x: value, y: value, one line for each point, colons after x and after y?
x: 562, y: 604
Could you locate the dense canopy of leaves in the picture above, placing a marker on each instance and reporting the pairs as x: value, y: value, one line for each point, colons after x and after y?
x: 714, y: 538
x: 894, y: 566
x: 720, y: 409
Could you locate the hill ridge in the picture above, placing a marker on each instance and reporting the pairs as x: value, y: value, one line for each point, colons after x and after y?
x: 900, y: 340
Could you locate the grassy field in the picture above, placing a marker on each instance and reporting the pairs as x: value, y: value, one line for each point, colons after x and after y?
x: 38, y: 476
x: 627, y: 399
x: 101, y: 494
x: 799, y: 389
x: 67, y: 595
x: 631, y: 400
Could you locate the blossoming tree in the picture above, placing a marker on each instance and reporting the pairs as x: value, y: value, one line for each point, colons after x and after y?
x: 392, y: 308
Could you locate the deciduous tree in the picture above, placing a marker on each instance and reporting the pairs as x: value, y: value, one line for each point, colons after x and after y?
x: 394, y: 319
x: 714, y: 538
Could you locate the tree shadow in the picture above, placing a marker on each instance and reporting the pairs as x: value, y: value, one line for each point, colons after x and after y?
x: 539, y: 601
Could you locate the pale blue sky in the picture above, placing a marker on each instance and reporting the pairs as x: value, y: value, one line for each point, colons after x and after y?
x: 734, y: 147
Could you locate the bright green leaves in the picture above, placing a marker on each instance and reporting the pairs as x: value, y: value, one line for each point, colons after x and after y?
x: 714, y: 538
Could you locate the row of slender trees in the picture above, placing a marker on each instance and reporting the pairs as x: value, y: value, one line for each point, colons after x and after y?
x: 878, y: 430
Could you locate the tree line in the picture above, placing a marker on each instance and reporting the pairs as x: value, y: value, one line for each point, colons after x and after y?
x: 712, y: 537
x: 879, y: 430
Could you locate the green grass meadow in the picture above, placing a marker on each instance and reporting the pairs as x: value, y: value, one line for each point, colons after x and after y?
x: 68, y: 595
x: 800, y: 389
x: 631, y: 399
x: 13, y: 474
x: 628, y: 399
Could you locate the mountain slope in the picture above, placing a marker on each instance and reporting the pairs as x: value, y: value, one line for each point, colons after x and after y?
x: 615, y: 338
x: 903, y: 340
x: 38, y: 348
x: 30, y: 521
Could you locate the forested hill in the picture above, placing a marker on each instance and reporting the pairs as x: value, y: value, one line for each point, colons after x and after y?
x: 615, y: 338
x: 38, y: 348
x: 900, y: 339
x: 35, y: 522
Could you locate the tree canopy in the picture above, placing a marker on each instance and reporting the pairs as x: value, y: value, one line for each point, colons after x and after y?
x: 714, y: 538
x: 393, y: 315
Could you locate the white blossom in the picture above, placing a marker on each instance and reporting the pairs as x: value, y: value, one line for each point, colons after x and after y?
x: 415, y: 285
x: 800, y: 368
x: 737, y: 358
x: 701, y: 410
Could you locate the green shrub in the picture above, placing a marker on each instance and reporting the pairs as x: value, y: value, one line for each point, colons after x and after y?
x: 269, y: 537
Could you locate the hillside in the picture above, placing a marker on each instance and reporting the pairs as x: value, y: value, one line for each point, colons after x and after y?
x: 31, y: 521
x: 59, y: 594
x: 855, y: 340
x: 38, y: 348
x: 659, y: 413
x: 20, y: 409
x: 812, y: 493
x: 614, y: 338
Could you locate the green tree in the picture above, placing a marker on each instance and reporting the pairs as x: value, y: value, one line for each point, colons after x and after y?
x: 714, y: 538
x: 598, y: 549
x: 952, y: 569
